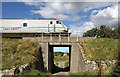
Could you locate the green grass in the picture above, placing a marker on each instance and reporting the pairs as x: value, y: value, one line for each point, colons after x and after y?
x: 34, y: 72
x: 85, y: 73
x: 61, y: 59
x: 102, y: 48
x: 67, y: 63
x: 56, y: 64
x: 104, y: 71
x: 16, y: 52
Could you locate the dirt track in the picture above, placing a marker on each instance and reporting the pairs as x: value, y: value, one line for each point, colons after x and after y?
x: 61, y: 64
x: 61, y: 74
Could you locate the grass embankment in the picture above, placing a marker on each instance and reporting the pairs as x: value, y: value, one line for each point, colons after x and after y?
x: 84, y: 73
x: 35, y: 73
x: 100, y: 49
x: 16, y: 52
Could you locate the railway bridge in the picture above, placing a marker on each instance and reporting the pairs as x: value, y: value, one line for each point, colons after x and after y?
x: 76, y: 56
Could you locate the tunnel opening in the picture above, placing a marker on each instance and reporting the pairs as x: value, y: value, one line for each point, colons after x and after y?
x: 59, y: 58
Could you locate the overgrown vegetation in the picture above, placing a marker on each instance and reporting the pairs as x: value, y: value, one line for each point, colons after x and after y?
x: 105, y: 71
x: 87, y: 73
x: 102, y: 48
x: 34, y: 72
x: 16, y: 52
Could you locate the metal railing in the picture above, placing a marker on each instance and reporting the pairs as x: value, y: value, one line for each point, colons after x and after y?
x: 59, y: 37
x: 52, y: 35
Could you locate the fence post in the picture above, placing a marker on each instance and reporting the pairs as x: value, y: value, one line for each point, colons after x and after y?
x: 59, y: 37
x: 51, y: 37
x: 68, y: 36
x: 42, y: 36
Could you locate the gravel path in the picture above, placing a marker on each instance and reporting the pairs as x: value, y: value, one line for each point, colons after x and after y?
x: 61, y: 64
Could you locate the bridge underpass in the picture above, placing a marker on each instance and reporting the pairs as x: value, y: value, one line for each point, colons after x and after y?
x: 76, y: 59
x: 51, y: 65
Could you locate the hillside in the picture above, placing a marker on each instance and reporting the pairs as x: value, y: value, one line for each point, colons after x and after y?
x: 16, y: 52
x: 101, y: 48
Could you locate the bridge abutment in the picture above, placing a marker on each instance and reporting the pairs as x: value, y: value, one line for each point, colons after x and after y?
x: 44, y: 50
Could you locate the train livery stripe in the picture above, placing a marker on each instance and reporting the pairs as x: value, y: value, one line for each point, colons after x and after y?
x: 31, y: 27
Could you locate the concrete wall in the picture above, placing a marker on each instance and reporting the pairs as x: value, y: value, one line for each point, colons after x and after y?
x: 44, y: 50
x: 50, y: 59
x: 60, y: 39
x: 77, y: 61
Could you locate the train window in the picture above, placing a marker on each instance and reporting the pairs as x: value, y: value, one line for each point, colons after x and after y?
x: 51, y: 22
x: 57, y: 22
x: 24, y: 24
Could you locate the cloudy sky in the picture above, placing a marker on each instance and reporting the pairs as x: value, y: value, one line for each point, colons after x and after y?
x: 77, y: 16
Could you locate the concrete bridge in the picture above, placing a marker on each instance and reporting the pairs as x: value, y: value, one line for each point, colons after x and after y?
x: 76, y: 57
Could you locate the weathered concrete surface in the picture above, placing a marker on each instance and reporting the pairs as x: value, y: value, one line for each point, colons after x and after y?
x: 81, y: 62
x: 50, y: 59
x: 60, y: 39
x: 77, y: 62
x: 44, y: 50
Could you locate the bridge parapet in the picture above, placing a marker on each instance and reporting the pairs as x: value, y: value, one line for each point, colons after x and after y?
x: 60, y: 39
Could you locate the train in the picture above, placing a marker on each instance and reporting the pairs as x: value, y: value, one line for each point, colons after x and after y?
x: 32, y: 27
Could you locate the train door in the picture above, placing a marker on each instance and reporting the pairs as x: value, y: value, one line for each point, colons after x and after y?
x: 51, y: 26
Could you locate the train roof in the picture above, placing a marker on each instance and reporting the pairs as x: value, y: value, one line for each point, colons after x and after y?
x: 29, y: 19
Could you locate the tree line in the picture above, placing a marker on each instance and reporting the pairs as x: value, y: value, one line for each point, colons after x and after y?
x: 103, y: 32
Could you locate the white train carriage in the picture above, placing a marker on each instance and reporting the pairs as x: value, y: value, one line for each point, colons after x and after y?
x: 31, y: 27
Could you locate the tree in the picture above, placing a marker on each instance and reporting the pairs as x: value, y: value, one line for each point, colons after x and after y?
x: 91, y: 33
x: 103, y: 32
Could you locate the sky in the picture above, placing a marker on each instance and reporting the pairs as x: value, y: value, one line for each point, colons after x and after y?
x: 79, y: 17
x: 61, y: 49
